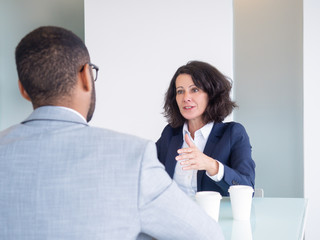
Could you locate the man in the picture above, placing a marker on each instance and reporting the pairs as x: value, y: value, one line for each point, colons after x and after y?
x: 61, y: 179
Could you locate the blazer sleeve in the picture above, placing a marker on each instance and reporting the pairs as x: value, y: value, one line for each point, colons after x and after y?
x: 165, y: 211
x: 240, y: 167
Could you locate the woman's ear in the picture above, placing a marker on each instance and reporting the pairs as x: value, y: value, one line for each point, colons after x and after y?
x: 23, y: 92
x: 86, y: 78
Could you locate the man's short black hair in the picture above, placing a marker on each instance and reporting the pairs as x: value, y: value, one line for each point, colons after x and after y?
x: 48, y: 60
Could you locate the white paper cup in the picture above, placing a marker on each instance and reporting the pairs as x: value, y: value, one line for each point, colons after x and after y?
x: 210, y: 202
x: 241, y: 199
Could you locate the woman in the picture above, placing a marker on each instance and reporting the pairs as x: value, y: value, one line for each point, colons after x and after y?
x: 198, y: 150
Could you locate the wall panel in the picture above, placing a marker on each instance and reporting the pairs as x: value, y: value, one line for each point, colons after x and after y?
x: 138, y: 46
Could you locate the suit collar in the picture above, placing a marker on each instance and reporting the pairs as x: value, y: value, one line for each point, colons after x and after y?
x: 214, y: 136
x: 74, y: 111
x: 54, y: 113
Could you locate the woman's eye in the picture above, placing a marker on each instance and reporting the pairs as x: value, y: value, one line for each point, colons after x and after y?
x: 179, y: 91
x: 195, y: 90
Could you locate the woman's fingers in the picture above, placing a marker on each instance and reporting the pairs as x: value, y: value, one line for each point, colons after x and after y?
x: 185, y: 156
x: 191, y: 157
x: 185, y: 150
x: 188, y: 141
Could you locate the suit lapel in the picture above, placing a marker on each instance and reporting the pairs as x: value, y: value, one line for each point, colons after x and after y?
x: 214, y: 137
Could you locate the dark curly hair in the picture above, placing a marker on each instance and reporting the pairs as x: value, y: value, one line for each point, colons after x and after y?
x: 211, y: 81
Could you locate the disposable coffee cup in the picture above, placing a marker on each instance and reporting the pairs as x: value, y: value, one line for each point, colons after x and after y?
x: 241, y: 200
x: 210, y: 202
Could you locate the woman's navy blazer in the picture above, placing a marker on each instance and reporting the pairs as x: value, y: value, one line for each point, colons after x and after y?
x: 228, y: 143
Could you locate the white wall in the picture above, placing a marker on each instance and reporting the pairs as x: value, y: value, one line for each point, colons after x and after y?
x: 138, y: 46
x: 311, y: 48
x: 17, y: 18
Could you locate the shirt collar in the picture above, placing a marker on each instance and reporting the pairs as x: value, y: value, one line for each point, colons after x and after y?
x: 205, y: 130
x: 74, y: 111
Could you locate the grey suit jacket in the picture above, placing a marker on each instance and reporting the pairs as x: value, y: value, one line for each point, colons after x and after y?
x: 61, y: 179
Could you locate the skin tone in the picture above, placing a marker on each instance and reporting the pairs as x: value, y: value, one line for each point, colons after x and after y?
x: 81, y: 99
x: 192, y: 102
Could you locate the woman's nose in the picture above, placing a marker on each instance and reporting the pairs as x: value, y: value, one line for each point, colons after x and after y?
x: 187, y: 97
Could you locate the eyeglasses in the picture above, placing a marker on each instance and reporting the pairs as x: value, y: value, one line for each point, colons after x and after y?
x: 94, y: 71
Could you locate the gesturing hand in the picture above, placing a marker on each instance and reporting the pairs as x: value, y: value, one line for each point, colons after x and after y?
x: 192, y: 158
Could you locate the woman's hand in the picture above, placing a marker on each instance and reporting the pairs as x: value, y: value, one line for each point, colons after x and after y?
x: 191, y: 158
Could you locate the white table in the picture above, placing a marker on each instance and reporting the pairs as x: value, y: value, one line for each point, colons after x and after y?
x: 271, y: 218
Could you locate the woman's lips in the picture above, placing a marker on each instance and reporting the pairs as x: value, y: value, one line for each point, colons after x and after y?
x: 188, y: 107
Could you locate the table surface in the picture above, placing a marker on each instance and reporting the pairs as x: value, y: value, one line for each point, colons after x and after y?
x: 271, y: 218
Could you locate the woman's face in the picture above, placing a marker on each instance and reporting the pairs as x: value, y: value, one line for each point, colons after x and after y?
x: 192, y: 101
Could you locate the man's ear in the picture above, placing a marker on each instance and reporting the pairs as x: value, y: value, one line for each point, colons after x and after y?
x: 86, y: 78
x: 23, y: 92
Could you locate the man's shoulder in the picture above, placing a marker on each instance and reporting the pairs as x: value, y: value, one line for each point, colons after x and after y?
x: 5, y: 134
x: 116, y: 136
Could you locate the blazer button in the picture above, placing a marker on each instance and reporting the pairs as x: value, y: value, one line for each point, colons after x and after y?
x: 234, y: 182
